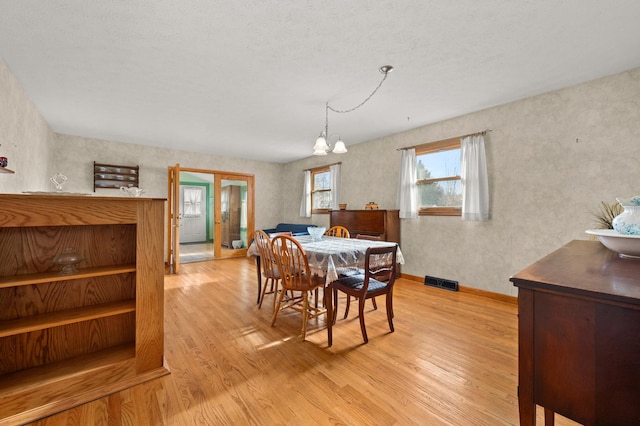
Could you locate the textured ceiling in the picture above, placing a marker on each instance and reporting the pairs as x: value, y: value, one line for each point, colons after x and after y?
x: 250, y: 78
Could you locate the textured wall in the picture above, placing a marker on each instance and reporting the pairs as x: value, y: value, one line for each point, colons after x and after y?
x: 74, y: 156
x: 551, y: 159
x: 25, y: 138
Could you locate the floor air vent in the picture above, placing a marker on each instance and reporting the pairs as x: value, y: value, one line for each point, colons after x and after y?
x: 441, y: 283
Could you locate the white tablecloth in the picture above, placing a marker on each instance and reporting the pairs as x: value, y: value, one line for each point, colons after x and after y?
x: 331, y: 256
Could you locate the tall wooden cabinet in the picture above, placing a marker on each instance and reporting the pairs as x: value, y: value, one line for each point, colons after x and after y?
x: 380, y: 223
x: 68, y: 339
x: 231, y: 214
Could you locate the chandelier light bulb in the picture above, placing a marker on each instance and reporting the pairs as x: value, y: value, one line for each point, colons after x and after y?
x: 321, y: 145
x: 339, y: 148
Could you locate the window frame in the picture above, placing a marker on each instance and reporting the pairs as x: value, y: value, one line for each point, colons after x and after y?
x: 315, y: 171
x: 431, y: 148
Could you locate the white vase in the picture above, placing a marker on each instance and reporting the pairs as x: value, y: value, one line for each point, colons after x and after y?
x: 628, y: 222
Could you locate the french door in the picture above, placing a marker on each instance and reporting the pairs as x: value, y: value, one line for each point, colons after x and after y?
x: 232, y: 199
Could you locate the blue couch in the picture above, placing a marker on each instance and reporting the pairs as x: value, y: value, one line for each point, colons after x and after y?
x: 294, y: 228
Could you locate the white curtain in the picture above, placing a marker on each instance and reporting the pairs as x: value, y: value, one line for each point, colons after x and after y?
x: 475, y: 184
x: 191, y: 202
x: 334, y: 173
x: 407, y: 188
x: 305, y: 203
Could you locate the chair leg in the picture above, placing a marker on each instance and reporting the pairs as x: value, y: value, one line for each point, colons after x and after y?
x: 259, y: 273
x: 346, y: 310
x: 264, y: 291
x: 277, y: 309
x: 275, y: 293
x: 326, y: 300
x: 390, y: 311
x: 335, y: 306
x: 361, y: 315
x: 305, y: 313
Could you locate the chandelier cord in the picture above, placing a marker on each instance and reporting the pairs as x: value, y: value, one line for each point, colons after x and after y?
x: 361, y: 103
x: 322, y: 146
x: 326, y: 121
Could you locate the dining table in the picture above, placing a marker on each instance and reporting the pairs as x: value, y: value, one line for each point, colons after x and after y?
x: 330, y: 257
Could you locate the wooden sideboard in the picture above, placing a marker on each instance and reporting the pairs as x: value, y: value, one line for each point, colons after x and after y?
x: 380, y: 223
x: 579, y: 336
x: 69, y: 339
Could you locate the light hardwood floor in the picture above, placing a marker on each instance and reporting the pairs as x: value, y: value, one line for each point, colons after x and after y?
x: 451, y: 361
x: 196, y: 252
x: 200, y: 252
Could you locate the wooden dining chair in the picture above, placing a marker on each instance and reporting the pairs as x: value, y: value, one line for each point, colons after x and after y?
x: 296, y: 277
x: 338, y: 231
x: 373, y: 300
x: 378, y: 279
x: 270, y: 270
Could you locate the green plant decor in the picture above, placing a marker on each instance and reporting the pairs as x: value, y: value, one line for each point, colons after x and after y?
x: 607, y: 212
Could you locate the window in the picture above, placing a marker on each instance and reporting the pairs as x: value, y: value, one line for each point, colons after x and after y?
x: 320, y: 189
x: 192, y: 202
x: 438, y: 178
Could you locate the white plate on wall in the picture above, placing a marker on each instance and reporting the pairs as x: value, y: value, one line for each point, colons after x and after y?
x: 625, y: 245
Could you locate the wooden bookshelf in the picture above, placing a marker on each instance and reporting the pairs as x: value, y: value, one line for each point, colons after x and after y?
x: 68, y: 339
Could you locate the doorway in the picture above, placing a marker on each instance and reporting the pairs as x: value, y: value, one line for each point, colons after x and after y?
x: 196, y: 213
x: 193, y: 209
x: 210, y: 215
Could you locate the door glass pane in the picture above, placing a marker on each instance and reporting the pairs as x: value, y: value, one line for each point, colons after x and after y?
x: 234, y: 214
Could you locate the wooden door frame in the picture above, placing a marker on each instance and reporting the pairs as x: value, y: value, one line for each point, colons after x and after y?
x: 173, y: 219
x: 250, y: 179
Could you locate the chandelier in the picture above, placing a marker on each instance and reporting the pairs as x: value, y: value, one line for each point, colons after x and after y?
x: 322, y: 146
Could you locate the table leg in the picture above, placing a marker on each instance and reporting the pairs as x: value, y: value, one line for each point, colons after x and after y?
x: 328, y: 303
x: 526, y: 400
x: 259, y: 271
x: 527, y: 412
x: 549, y: 419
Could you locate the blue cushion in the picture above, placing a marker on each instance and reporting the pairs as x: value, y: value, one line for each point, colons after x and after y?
x: 347, y: 272
x: 357, y: 281
x: 294, y: 228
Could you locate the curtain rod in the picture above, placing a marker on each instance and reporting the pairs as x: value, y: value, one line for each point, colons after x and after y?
x: 484, y: 132
x: 321, y: 167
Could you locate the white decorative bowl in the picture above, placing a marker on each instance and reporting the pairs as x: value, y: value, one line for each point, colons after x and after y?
x: 624, y: 244
x: 316, y: 232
